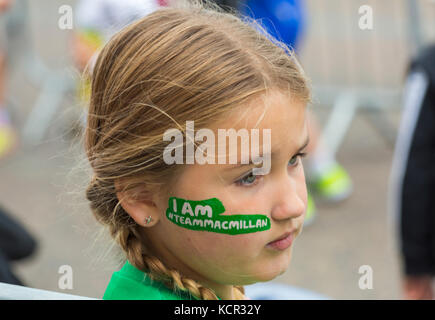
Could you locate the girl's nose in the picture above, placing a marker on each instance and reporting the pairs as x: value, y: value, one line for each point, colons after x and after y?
x: 290, y: 200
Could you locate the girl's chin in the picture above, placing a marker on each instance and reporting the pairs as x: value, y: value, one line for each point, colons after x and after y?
x: 269, y: 277
x: 263, y: 277
x: 273, y: 272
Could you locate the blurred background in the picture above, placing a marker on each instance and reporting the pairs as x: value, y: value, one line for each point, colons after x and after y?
x: 358, y: 77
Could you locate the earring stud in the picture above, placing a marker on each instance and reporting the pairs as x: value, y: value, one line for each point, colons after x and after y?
x: 148, y: 220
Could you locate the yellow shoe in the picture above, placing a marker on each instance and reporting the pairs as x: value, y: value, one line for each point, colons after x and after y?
x: 8, y: 140
x: 334, y: 185
x: 92, y: 41
x: 311, y: 211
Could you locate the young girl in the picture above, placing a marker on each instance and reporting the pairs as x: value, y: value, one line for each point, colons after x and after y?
x: 195, y: 63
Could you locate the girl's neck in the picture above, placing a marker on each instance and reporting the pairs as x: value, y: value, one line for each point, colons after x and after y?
x: 225, y: 292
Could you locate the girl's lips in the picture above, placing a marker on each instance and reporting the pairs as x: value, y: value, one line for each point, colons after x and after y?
x: 282, y: 244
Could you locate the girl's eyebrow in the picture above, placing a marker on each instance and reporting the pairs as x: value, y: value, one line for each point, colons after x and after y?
x: 307, y: 141
x: 251, y: 163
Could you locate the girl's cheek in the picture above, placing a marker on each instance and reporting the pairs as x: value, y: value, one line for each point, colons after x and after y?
x: 205, y: 243
x: 245, y: 244
x: 220, y: 245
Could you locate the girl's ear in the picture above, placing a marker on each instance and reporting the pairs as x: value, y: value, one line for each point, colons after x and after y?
x: 140, y: 209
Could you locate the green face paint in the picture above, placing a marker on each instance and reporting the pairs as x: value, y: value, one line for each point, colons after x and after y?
x: 205, y: 215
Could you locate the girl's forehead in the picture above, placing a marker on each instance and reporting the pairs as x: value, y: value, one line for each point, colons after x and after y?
x: 277, y: 116
x: 273, y: 110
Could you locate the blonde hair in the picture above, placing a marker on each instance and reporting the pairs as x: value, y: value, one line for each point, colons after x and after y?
x: 194, y: 61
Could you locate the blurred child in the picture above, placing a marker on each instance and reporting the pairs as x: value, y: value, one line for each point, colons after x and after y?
x: 195, y: 63
x: 96, y: 22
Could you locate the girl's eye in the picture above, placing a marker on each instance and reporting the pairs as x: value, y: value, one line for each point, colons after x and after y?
x: 248, y: 180
x: 294, y: 161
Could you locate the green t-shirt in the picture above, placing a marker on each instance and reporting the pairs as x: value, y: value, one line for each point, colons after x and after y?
x: 130, y: 283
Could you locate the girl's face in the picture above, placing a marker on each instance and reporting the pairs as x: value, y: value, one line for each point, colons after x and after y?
x: 280, y: 195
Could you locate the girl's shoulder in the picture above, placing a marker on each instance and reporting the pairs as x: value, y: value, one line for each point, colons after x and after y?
x: 130, y: 283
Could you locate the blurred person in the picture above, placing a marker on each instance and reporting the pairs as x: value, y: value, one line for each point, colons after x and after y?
x: 16, y: 243
x: 8, y: 135
x: 96, y: 22
x: 285, y: 20
x: 412, y: 186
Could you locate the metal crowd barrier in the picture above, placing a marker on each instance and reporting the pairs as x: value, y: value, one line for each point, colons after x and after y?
x: 258, y: 291
x: 354, y: 69
x: 14, y: 292
x: 52, y: 84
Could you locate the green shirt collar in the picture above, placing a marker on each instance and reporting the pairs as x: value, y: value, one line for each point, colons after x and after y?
x: 130, y: 283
